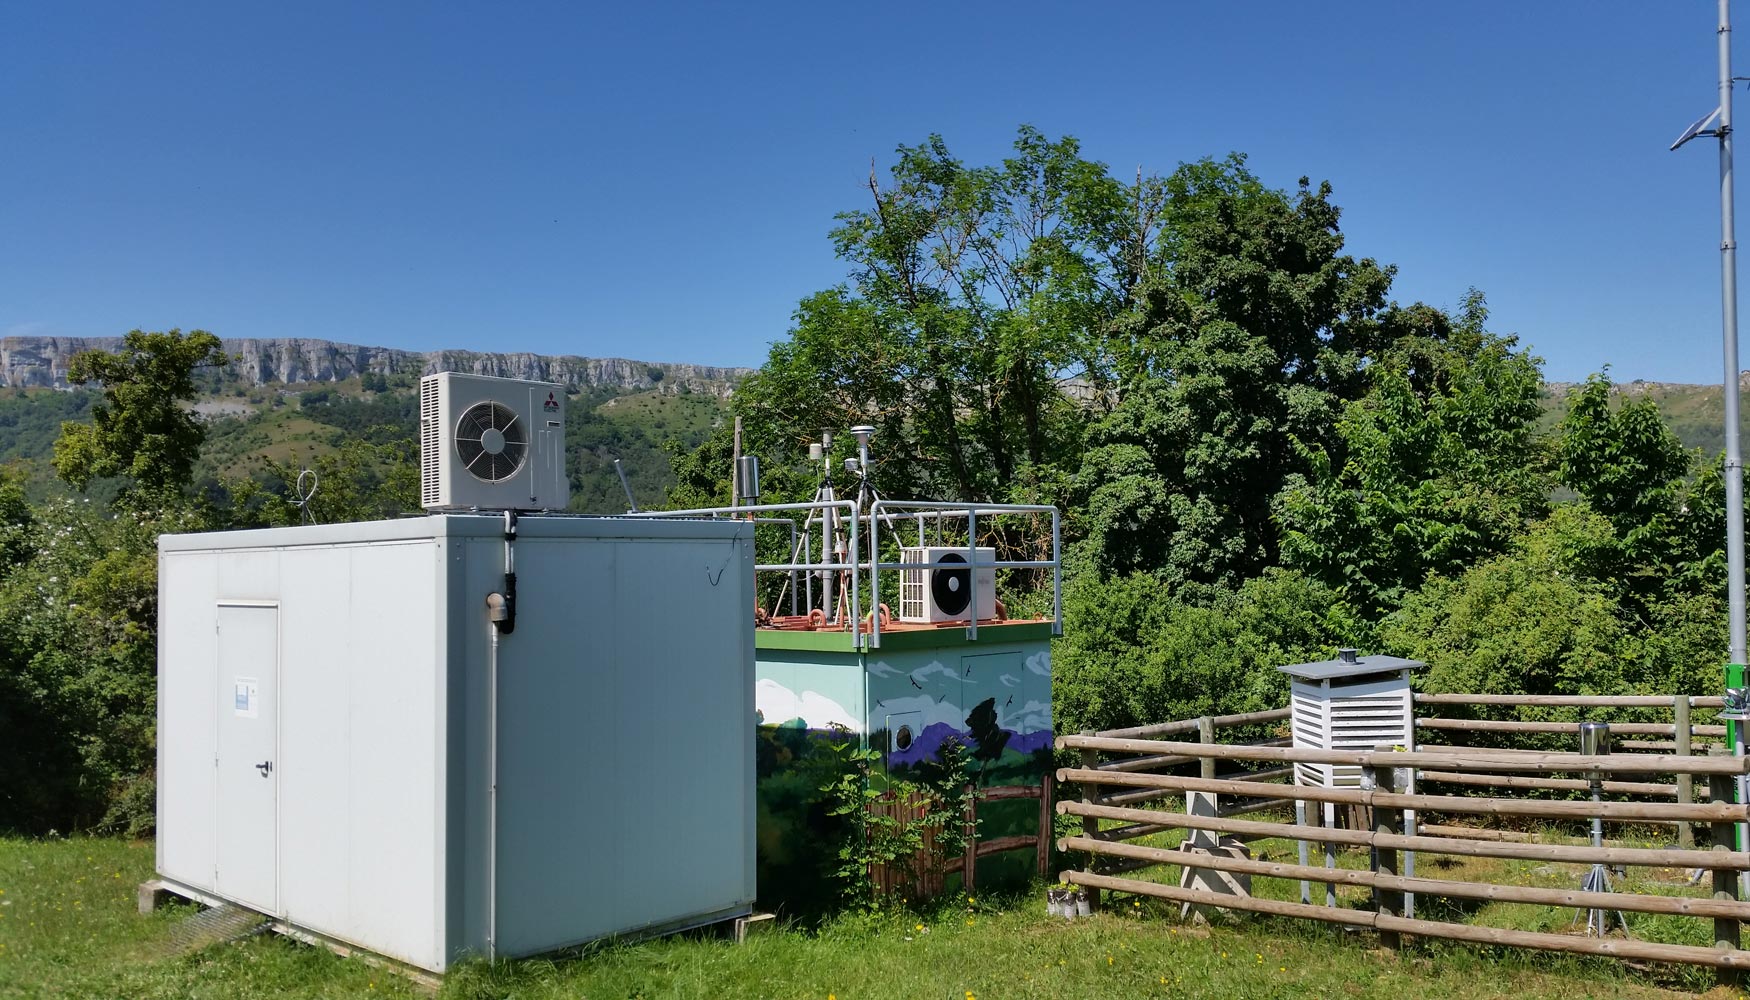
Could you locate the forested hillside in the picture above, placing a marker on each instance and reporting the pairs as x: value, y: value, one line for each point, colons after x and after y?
x: 258, y: 432
x: 1265, y: 456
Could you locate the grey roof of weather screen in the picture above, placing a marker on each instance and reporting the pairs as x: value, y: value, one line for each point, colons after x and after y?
x: 1347, y: 664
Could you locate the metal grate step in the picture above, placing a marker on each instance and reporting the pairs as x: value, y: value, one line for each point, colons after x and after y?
x: 211, y: 926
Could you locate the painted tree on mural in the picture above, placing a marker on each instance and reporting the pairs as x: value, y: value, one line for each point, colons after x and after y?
x: 988, y: 736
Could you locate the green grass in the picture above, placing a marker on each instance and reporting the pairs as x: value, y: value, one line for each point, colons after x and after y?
x: 68, y: 928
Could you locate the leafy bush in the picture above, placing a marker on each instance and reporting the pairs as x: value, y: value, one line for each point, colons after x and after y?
x: 1523, y: 622
x: 1134, y: 652
x: 77, y: 669
x: 871, y: 837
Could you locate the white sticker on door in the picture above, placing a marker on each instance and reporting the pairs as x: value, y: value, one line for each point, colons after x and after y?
x: 246, y: 699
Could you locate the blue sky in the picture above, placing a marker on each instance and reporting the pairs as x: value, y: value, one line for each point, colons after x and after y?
x: 657, y: 181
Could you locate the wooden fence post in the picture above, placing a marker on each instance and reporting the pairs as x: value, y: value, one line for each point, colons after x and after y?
x: 1386, y: 822
x: 1045, y: 814
x: 1090, y: 824
x: 1685, y: 786
x: 1720, y: 789
x: 969, y: 865
x: 1206, y: 734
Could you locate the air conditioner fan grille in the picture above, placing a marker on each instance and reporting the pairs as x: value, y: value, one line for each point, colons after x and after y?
x: 491, y: 441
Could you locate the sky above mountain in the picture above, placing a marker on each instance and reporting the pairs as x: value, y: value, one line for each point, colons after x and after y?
x: 657, y: 181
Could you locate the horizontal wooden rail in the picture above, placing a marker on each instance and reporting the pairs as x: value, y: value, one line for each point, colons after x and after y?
x: 1516, y: 836
x: 1570, y: 700
x: 1267, y: 775
x: 1153, y: 762
x: 1250, y: 789
x: 997, y: 845
x: 1687, y: 906
x: 1010, y: 792
x: 1696, y: 812
x: 1618, y: 948
x: 1149, y: 763
x: 1131, y: 831
x: 1547, y: 784
x: 1190, y: 725
x: 1623, y: 728
x: 1647, y: 857
x: 1252, y: 807
x: 1622, y: 763
x: 1662, y: 745
x: 1475, y: 833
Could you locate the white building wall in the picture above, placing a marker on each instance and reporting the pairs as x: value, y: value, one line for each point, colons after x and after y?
x: 626, y: 736
x: 187, y: 719
x: 357, y: 765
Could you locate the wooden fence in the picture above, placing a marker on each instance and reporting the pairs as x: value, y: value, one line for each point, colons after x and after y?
x: 1682, y: 737
x: 1112, y: 789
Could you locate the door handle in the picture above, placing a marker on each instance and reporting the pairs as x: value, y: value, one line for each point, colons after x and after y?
x: 265, y: 767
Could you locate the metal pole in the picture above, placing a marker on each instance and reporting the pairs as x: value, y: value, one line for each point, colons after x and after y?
x: 972, y: 591
x: 1742, y: 786
x: 875, y: 572
x: 1729, y: 322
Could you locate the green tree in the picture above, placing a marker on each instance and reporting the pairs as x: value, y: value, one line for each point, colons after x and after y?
x: 358, y: 482
x: 1524, y: 622
x: 1627, y: 464
x: 77, y: 669
x: 975, y: 292
x: 140, y: 430
x: 1244, y: 342
x: 1136, y: 650
x: 1436, y: 468
x: 16, y: 520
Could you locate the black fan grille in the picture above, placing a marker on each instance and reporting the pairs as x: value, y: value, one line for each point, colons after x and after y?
x: 491, y: 442
x: 952, y: 588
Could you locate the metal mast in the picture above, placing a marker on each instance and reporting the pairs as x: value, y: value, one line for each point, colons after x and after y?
x: 1729, y: 322
x: 1729, y: 330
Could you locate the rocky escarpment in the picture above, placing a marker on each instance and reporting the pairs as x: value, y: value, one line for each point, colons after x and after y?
x: 42, y: 361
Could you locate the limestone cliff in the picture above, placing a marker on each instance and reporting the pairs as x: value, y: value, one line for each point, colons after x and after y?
x: 42, y: 361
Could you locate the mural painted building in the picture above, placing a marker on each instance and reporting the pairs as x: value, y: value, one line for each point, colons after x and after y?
x: 952, y: 668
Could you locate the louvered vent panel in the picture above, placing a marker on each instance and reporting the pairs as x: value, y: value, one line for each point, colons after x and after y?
x: 1360, y: 715
x: 430, y: 442
x: 911, y: 586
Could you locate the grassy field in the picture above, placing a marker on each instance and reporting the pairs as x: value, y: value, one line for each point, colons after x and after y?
x: 68, y: 928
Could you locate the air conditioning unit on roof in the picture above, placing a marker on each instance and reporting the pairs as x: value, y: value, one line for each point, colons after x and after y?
x: 490, y: 443
x: 944, y: 593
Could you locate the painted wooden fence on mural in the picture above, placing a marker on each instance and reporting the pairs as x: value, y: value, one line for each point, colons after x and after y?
x: 924, y: 876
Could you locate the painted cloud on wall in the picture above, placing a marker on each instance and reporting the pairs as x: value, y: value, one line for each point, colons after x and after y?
x: 778, y: 704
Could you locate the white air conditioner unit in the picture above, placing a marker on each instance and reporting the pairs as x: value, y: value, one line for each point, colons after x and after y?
x: 944, y: 593
x: 491, y: 443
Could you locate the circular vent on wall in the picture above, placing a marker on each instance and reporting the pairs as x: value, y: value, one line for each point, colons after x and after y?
x: 491, y: 442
